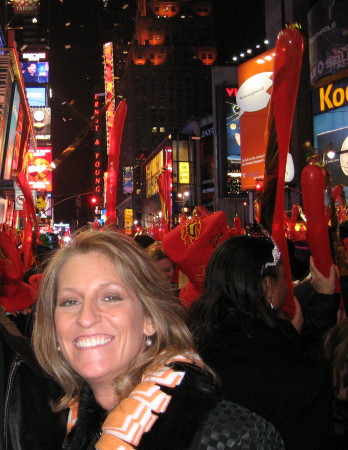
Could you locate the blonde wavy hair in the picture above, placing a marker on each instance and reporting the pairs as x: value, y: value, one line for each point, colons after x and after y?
x: 138, y: 271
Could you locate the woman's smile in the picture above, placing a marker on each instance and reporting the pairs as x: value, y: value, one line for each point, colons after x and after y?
x: 92, y: 341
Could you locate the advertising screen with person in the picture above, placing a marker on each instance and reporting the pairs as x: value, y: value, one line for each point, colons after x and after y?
x: 35, y: 71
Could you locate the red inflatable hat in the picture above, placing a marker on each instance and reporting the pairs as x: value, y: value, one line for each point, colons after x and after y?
x: 34, y: 281
x: 16, y: 296
x: 11, y: 266
x: 191, y: 244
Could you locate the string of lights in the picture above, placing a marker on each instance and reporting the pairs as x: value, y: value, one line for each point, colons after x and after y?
x: 250, y: 52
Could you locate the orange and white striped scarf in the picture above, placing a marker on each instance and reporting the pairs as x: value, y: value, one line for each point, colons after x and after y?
x: 133, y: 416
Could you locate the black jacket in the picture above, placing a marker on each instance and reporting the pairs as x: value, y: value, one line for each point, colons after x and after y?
x: 26, y: 418
x: 266, y: 371
x: 196, y: 419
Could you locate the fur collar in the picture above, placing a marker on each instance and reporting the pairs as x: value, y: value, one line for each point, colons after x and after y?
x: 174, y: 429
x: 87, y: 430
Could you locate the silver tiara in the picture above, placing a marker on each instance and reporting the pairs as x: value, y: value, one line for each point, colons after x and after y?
x: 275, y: 251
x: 276, y: 256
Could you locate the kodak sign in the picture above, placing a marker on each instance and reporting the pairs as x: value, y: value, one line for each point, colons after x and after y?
x: 330, y: 96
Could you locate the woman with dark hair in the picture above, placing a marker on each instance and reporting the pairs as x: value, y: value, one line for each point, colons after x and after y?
x: 242, y: 333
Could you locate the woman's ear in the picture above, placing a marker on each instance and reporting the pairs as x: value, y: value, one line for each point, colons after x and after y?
x: 267, y: 285
x: 149, y: 327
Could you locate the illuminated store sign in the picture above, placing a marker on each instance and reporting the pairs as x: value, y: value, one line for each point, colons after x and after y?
x: 333, y: 96
x: 330, y: 109
x: 184, y: 173
x: 26, y: 7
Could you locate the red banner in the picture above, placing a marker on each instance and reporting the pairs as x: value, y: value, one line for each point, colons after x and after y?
x: 164, y: 181
x: 30, y: 222
x: 113, y: 163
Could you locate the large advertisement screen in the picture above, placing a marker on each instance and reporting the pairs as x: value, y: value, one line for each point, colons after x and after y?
x: 35, y: 71
x: 328, y: 45
x: 36, y: 96
x: 39, y: 168
x: 12, y: 135
x: 42, y: 123
x: 330, y: 124
x: 255, y: 80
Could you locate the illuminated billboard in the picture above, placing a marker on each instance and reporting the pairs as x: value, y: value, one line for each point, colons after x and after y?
x: 42, y: 123
x: 330, y: 124
x: 128, y: 180
x: 39, y: 168
x: 152, y: 171
x: 36, y: 96
x: 35, y: 71
x: 327, y: 30
x: 255, y: 80
x: 26, y: 7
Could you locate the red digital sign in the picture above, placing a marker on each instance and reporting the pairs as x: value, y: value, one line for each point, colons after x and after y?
x: 39, y: 168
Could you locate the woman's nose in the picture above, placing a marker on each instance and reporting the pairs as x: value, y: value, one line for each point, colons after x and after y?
x: 88, y: 314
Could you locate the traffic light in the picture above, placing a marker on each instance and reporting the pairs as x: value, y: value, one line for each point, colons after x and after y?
x: 94, y: 200
x: 258, y: 187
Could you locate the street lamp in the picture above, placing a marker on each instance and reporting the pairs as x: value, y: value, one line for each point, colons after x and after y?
x: 331, y: 155
x: 245, y: 204
x: 181, y: 200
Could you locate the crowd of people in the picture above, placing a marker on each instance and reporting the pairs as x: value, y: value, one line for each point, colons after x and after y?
x: 116, y: 359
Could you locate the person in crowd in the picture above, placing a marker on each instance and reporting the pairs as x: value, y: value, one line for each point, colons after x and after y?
x: 242, y: 334
x: 27, y: 421
x: 144, y: 240
x: 164, y: 264
x: 107, y: 329
x: 336, y: 352
x: 9, y: 324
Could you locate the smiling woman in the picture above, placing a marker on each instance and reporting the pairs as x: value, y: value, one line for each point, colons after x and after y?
x: 109, y: 330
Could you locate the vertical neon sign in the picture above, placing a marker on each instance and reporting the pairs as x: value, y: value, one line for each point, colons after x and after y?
x: 109, y: 89
x: 97, y: 174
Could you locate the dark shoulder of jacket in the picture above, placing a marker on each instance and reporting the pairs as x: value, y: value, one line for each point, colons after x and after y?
x: 229, y: 425
x: 190, y: 404
x: 28, y: 421
x: 19, y: 347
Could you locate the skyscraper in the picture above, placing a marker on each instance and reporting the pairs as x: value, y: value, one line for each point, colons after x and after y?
x: 167, y: 79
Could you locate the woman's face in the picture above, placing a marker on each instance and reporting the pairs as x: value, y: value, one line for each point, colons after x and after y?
x: 100, y: 323
x: 166, y: 268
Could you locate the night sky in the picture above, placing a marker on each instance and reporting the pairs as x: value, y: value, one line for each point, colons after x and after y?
x: 77, y: 30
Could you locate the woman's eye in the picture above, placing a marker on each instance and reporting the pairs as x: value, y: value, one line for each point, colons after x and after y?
x: 112, y: 298
x: 69, y: 302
